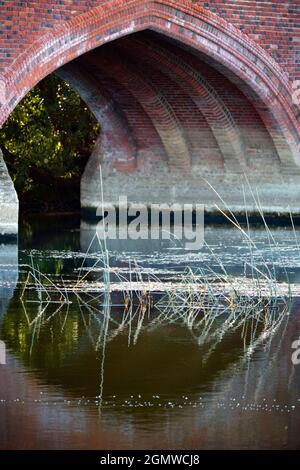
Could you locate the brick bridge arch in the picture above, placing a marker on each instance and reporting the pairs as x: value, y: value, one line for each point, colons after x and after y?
x: 205, y: 34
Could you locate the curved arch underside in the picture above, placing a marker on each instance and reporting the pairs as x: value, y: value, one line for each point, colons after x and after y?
x: 190, y: 24
x: 179, y: 93
x: 185, y: 118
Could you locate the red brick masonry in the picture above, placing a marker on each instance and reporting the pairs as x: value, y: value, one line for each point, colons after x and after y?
x: 185, y: 87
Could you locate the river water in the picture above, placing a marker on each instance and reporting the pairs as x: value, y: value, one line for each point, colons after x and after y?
x: 74, y: 379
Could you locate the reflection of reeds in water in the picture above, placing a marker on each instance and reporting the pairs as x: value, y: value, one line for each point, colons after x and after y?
x: 211, y: 303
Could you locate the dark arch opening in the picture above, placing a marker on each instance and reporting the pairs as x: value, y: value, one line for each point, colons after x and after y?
x: 46, y: 143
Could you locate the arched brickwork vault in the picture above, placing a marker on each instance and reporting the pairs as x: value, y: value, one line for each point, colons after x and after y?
x: 257, y: 78
x: 189, y: 23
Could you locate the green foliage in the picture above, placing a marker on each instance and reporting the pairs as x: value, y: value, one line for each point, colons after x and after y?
x: 50, y: 130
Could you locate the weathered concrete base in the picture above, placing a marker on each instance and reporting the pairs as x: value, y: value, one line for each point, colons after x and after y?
x: 9, y: 204
x: 273, y: 194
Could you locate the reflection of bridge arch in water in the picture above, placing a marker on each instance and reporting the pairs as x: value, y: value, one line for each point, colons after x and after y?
x: 2, y: 353
x: 216, y: 372
x: 89, y: 334
x: 9, y: 273
x: 233, y: 407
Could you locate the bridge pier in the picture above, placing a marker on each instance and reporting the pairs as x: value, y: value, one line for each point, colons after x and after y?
x: 9, y: 204
x: 276, y: 195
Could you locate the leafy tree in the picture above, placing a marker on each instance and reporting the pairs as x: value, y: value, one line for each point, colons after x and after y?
x: 46, y: 142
